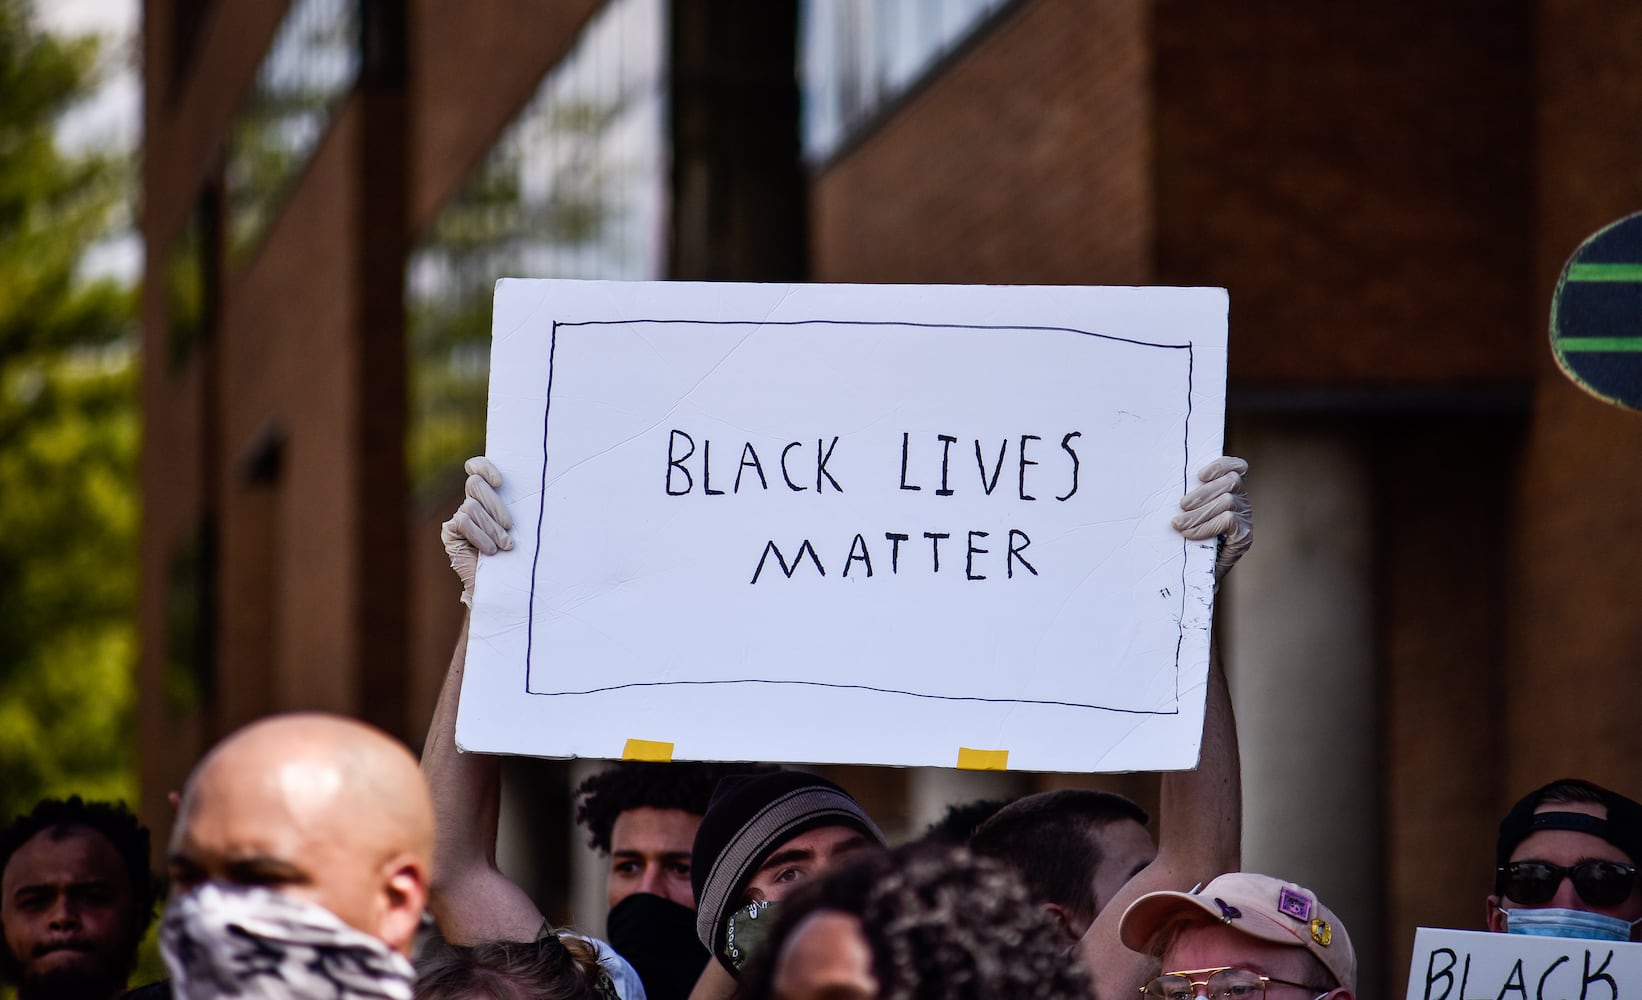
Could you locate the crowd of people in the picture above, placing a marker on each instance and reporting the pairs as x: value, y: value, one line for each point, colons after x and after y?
x: 314, y: 856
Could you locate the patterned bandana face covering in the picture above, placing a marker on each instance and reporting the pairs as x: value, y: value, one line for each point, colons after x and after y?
x: 746, y: 931
x: 231, y: 941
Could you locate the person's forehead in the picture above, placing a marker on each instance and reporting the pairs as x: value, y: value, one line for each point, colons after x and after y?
x: 1596, y: 809
x: 647, y: 830
x: 234, y: 812
x: 822, y: 840
x: 65, y: 855
x: 825, y: 954
x: 1567, y: 847
x: 1215, y: 945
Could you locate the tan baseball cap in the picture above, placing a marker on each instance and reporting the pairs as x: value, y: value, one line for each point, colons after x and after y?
x: 1257, y: 905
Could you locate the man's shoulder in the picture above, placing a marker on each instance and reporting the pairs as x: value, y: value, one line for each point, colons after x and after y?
x: 153, y: 991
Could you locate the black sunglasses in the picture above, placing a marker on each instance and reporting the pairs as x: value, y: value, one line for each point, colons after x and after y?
x: 1599, y: 883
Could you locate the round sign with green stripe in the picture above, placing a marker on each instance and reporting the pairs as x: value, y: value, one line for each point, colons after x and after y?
x: 1596, y: 314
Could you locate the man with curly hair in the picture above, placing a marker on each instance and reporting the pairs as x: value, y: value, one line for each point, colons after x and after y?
x: 77, y: 897
x: 643, y: 817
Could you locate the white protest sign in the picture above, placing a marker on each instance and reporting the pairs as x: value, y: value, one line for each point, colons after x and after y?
x: 1472, y: 965
x: 855, y: 524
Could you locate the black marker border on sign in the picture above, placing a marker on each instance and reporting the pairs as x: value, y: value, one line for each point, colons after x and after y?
x: 541, y: 512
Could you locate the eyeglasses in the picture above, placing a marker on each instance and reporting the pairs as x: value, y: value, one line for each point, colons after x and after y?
x: 1599, y: 883
x: 1217, y: 984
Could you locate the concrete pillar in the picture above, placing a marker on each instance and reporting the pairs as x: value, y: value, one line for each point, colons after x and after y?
x: 1301, y: 666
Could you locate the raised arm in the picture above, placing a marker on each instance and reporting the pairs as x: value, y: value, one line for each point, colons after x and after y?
x: 1200, y: 812
x: 715, y: 983
x: 470, y: 897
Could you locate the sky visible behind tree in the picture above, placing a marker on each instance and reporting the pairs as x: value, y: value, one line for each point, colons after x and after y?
x: 109, y: 116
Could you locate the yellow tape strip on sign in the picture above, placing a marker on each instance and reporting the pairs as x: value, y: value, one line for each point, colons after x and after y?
x: 983, y: 760
x: 651, y: 750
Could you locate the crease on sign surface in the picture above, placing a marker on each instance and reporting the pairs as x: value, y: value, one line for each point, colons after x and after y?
x: 629, y: 439
x: 786, y: 293
x: 650, y: 344
x: 1200, y: 688
x: 524, y: 320
x: 1131, y: 725
x: 498, y: 632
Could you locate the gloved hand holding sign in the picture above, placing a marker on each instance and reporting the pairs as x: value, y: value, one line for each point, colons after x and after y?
x: 480, y: 524
x: 1220, y: 508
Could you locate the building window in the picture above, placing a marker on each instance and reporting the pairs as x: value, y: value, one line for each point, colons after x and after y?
x: 858, y: 56
x: 188, y: 18
x: 312, y: 64
x: 191, y: 282
x: 575, y: 188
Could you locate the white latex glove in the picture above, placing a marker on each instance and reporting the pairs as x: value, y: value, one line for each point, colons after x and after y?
x: 1219, y: 508
x: 479, y: 526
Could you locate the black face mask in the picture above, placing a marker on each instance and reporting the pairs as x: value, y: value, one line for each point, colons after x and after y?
x: 658, y: 936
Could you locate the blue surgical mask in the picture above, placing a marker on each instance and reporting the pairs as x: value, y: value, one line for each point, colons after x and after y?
x: 1552, y: 921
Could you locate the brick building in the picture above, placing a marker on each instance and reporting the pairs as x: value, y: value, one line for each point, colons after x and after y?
x: 1434, y: 619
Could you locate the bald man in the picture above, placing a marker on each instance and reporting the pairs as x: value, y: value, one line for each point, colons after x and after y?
x: 301, y: 847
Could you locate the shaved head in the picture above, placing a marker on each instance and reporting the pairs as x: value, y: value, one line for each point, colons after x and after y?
x: 318, y: 807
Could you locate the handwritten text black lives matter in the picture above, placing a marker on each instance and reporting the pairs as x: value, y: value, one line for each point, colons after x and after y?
x: 939, y: 464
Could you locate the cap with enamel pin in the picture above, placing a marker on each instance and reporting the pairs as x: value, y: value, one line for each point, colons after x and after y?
x: 1260, y: 906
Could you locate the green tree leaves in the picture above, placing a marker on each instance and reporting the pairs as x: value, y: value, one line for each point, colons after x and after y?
x: 68, y: 442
